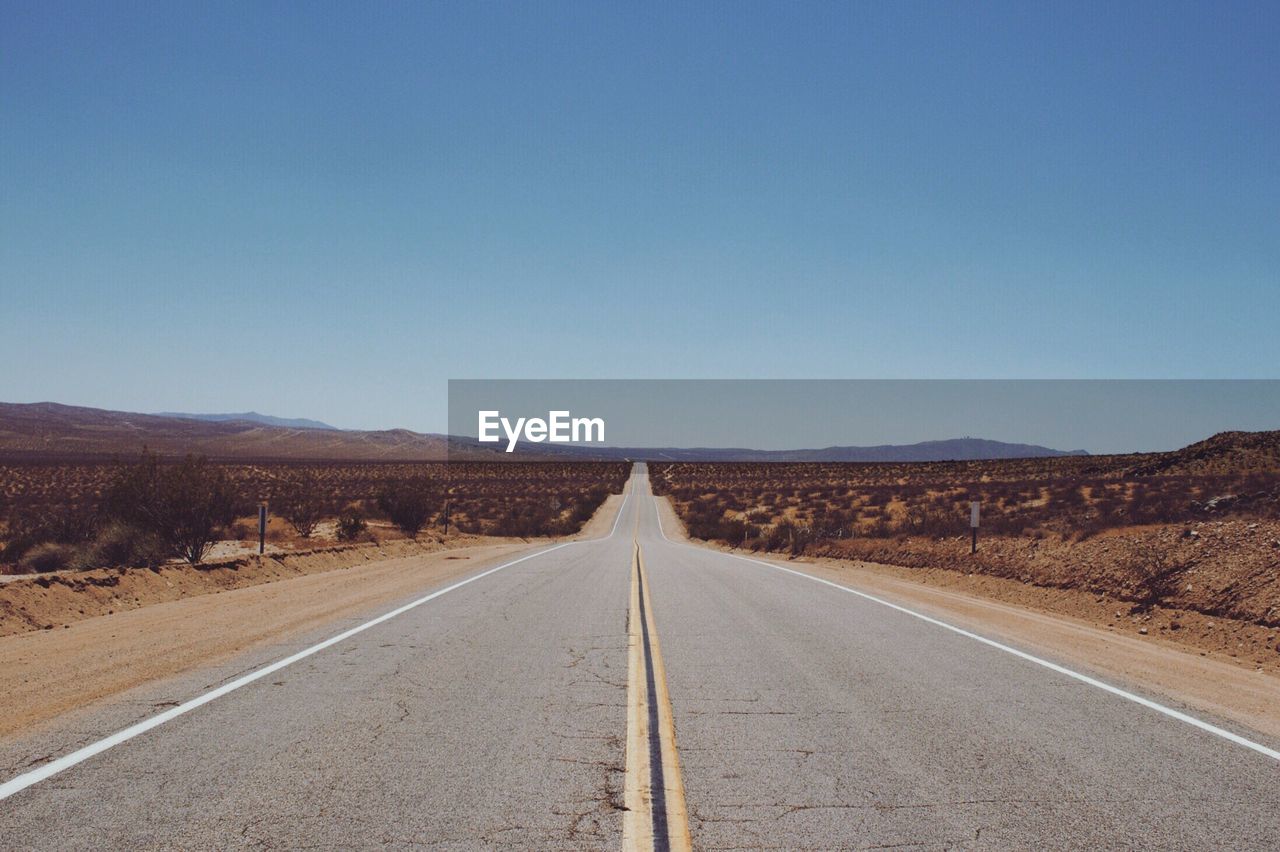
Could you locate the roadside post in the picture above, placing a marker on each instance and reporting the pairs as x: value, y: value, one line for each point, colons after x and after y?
x: 446, y: 517
x: 973, y: 525
x: 262, y: 528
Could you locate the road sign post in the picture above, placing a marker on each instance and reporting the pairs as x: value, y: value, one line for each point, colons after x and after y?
x: 262, y: 528
x: 973, y: 525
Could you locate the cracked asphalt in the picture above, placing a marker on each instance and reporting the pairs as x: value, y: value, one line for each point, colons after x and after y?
x: 495, y: 716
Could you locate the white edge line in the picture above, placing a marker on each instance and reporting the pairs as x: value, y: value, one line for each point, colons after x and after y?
x: 625, y: 497
x: 1031, y: 658
x: 67, y: 761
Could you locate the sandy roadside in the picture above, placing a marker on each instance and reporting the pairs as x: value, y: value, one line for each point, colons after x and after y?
x: 56, y: 601
x: 1225, y: 687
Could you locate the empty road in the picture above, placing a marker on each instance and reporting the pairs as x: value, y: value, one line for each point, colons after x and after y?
x: 635, y: 691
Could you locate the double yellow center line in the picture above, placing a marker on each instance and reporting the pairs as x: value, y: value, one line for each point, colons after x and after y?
x: 656, y: 817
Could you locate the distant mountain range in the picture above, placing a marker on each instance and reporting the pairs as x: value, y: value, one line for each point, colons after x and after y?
x: 954, y: 449
x: 44, y: 430
x: 49, y: 428
x: 253, y: 417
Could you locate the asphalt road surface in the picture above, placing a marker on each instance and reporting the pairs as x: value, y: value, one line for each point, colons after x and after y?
x: 496, y: 715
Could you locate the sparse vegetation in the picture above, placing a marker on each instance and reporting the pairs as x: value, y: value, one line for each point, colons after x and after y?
x: 409, y: 505
x: 74, y: 502
x: 29, y: 527
x: 772, y: 506
x: 1157, y: 570
x: 301, y: 502
x: 183, y: 505
x: 351, y: 525
x: 48, y: 556
x: 121, y: 545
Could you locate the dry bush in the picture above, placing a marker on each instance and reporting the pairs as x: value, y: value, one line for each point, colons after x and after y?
x: 1157, y: 574
x: 31, y: 526
x: 301, y: 503
x: 1075, y: 497
x: 120, y: 545
x: 351, y: 525
x: 408, y: 505
x: 484, y: 497
x: 47, y: 556
x: 183, y: 505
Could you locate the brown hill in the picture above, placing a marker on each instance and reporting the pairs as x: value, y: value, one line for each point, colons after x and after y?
x: 1225, y: 452
x: 48, y: 428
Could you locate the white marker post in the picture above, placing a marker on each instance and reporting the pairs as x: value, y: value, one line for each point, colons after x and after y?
x: 973, y: 524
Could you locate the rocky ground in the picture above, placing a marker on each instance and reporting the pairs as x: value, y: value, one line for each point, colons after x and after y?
x: 1227, y: 568
x: 1213, y: 586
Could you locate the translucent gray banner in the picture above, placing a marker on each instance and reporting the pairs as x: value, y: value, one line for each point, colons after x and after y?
x: 846, y: 420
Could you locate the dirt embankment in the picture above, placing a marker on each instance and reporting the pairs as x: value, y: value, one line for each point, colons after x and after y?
x: 45, y: 602
x: 1222, y: 569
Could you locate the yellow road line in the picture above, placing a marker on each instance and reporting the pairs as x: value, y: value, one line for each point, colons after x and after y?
x: 677, y: 812
x: 637, y: 822
x: 656, y: 816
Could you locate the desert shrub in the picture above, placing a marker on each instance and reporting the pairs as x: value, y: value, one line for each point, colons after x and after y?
x: 587, y: 505
x: 120, y: 545
x: 929, y: 521
x: 479, y: 492
x: 408, y: 505
x: 1156, y: 575
x: 880, y: 528
x: 70, y: 525
x: 301, y: 502
x: 183, y: 505
x: 351, y: 525
x: 528, y: 519
x: 786, y: 536
x: 47, y: 556
x: 704, y: 518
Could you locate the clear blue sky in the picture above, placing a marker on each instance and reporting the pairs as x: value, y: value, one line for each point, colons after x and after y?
x: 329, y: 210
